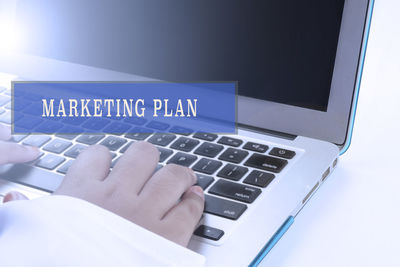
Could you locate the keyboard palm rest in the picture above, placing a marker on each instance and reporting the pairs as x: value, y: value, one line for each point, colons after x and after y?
x: 31, y: 176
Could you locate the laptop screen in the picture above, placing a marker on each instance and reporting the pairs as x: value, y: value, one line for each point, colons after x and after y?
x: 280, y: 51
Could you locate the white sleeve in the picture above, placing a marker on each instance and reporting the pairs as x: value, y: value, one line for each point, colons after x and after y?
x: 65, y: 231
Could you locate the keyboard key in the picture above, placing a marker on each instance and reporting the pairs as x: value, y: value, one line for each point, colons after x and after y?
x: 90, y: 139
x: 208, y: 149
x: 6, y: 117
x: 185, y: 144
x: 159, y: 166
x: 113, y: 143
x: 69, y: 132
x: 224, y: 208
x: 139, y: 133
x: 49, y: 161
x: 209, y: 232
x: 36, y: 140
x: 49, y: 127
x: 180, y: 130
x: 233, y: 155
x: 126, y: 147
x: 207, y: 166
x: 162, y: 139
x: 17, y: 116
x: 266, y: 163
x: 206, y: 136
x: 4, y: 100
x: 64, y: 168
x: 235, y: 191
x: 33, y: 97
x: 160, y: 126
x: 230, y: 141
x: 96, y: 124
x: 18, y: 137
x: 34, y: 111
x: 29, y: 122
x: 67, y: 136
x: 283, y: 153
x: 259, y: 178
x: 164, y: 153
x: 114, y: 162
x: 255, y: 147
x: 74, y: 151
x: 57, y: 146
x: 35, y: 160
x: 117, y: 128
x: 113, y: 155
x: 22, y: 104
x: 183, y: 159
x: 135, y: 120
x: 204, y: 181
x: 74, y: 120
x: 232, y: 172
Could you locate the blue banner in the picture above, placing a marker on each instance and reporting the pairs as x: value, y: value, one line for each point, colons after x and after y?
x: 123, y: 107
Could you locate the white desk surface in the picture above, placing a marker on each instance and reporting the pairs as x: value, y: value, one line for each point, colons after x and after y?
x: 354, y: 220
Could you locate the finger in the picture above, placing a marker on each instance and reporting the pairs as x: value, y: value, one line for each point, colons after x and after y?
x: 14, y: 195
x: 16, y: 153
x: 92, y: 163
x: 166, y: 187
x: 5, y: 132
x: 135, y: 167
x: 185, y: 215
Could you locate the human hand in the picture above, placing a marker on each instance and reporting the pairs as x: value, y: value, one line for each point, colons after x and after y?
x: 165, y: 202
x: 12, y: 152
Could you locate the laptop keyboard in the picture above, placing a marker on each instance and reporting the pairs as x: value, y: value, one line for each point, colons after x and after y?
x: 233, y: 173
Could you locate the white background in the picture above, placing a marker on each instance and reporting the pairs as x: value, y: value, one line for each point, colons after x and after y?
x: 353, y: 220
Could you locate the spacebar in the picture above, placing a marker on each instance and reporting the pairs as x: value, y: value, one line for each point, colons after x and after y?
x: 31, y: 176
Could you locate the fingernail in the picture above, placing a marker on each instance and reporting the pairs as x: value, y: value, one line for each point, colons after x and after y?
x: 13, y: 195
x: 198, y: 191
x: 8, y: 197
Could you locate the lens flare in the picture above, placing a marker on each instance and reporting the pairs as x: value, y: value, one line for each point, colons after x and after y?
x: 10, y: 38
x: 10, y: 34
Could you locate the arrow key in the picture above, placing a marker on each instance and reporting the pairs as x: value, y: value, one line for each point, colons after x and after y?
x: 209, y: 232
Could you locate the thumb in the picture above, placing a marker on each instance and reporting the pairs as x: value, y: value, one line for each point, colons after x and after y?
x: 186, y: 213
x: 14, y: 195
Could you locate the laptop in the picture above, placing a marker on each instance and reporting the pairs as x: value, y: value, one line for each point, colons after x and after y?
x: 298, y: 67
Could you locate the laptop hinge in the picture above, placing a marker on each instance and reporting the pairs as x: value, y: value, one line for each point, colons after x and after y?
x: 267, y: 132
